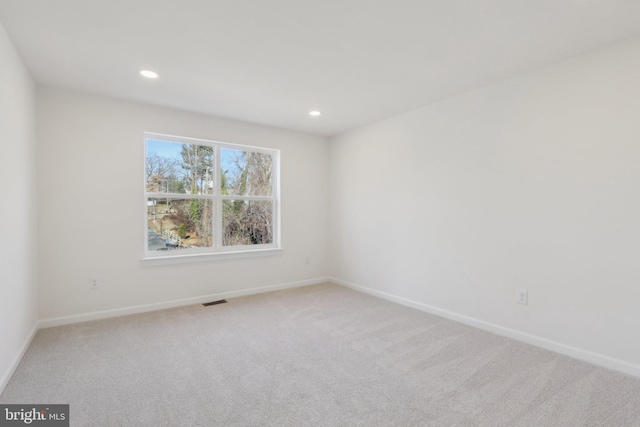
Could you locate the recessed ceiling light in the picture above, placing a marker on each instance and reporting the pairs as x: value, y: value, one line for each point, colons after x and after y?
x: 149, y: 74
x: 314, y: 113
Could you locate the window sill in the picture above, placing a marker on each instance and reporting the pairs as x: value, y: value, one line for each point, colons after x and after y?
x: 198, y: 258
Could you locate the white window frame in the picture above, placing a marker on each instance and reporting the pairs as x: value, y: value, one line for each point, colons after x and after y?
x: 217, y: 251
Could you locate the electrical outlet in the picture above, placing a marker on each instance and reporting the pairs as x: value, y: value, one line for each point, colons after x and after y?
x: 93, y: 283
x: 522, y: 296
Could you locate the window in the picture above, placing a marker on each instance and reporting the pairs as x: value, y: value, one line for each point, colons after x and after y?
x: 205, y: 197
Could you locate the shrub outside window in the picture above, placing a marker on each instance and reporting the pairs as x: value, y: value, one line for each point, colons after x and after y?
x: 206, y: 197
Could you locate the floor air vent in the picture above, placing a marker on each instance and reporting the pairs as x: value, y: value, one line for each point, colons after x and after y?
x: 222, y: 301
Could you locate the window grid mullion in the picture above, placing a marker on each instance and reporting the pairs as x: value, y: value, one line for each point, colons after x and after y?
x: 178, y: 196
x: 218, y: 216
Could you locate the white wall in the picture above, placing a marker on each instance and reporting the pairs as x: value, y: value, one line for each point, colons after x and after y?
x: 18, y: 288
x: 529, y: 183
x: 90, y: 160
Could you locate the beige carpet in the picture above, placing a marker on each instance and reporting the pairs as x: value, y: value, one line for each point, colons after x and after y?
x: 319, y: 355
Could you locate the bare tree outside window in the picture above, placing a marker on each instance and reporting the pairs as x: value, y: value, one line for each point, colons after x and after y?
x: 246, y: 222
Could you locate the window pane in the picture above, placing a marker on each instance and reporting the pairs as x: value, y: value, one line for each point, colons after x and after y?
x: 245, y: 173
x: 179, y: 224
x: 247, y: 222
x: 173, y: 167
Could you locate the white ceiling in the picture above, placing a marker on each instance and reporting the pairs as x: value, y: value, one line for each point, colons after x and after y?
x: 271, y: 61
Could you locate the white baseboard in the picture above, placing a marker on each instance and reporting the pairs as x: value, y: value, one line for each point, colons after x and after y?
x: 577, y: 353
x: 104, y: 314
x: 6, y: 376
